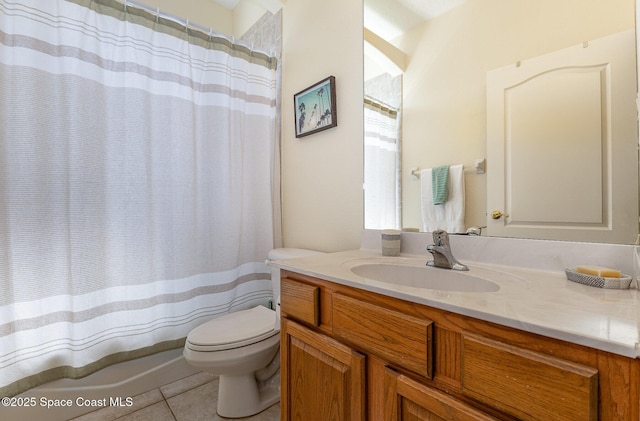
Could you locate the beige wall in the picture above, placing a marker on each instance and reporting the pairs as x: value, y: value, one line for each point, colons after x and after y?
x: 244, y: 16
x: 209, y: 14
x: 445, y: 82
x: 202, y: 12
x: 322, y: 173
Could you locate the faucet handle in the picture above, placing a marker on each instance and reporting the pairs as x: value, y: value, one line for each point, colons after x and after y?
x: 440, y: 238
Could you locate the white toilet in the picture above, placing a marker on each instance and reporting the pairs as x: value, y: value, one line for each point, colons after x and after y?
x: 243, y: 349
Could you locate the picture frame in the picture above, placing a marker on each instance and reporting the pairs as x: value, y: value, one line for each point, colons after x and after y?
x: 315, y: 107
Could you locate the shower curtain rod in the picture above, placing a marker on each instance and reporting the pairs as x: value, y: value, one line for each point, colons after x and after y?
x: 185, y: 22
x: 380, y: 103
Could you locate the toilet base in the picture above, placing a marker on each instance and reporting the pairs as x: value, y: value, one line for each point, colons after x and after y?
x: 241, y: 396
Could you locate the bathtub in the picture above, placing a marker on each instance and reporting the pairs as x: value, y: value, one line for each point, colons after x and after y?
x: 64, y: 399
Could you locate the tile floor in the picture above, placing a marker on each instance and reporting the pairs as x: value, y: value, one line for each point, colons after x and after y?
x: 190, y: 399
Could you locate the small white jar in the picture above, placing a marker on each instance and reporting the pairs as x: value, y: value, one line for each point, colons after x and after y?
x: 391, y: 240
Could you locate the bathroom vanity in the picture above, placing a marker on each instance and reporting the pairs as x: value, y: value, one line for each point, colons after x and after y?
x: 536, y: 348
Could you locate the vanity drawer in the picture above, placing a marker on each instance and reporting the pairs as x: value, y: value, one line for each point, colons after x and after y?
x: 300, y: 301
x: 399, y: 338
x: 527, y: 384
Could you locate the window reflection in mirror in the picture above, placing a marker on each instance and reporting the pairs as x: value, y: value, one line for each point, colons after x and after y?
x: 382, y: 164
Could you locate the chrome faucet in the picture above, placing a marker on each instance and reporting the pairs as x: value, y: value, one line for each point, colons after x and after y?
x: 441, y: 251
x: 475, y: 230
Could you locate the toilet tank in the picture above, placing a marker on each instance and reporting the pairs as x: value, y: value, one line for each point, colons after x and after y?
x: 281, y: 254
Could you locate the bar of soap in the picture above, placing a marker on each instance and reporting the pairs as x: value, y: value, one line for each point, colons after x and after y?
x: 598, y: 271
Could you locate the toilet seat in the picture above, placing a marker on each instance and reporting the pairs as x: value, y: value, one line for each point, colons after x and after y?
x: 233, y: 330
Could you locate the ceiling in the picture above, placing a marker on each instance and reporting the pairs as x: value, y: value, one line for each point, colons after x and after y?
x: 391, y: 18
x: 386, y: 18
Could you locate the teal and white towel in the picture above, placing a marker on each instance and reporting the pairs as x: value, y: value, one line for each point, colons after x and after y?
x: 439, y: 184
x: 450, y: 215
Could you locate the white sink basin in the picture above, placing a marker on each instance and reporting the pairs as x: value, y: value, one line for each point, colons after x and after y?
x: 424, y: 277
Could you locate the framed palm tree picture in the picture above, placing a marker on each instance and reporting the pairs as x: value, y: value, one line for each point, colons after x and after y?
x: 315, y: 107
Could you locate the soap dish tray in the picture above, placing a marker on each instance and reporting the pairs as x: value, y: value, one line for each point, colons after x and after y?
x: 596, y: 281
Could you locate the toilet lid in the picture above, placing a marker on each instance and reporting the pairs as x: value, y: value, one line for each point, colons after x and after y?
x: 233, y: 330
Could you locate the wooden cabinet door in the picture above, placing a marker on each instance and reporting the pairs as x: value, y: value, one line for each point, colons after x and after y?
x: 322, y: 379
x: 408, y: 400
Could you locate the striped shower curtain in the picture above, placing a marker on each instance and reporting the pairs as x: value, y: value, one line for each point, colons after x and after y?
x: 136, y: 162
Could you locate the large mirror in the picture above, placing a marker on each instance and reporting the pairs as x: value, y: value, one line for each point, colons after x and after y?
x: 426, y: 69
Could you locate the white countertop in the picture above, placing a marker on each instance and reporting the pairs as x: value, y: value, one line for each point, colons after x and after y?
x: 536, y: 301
